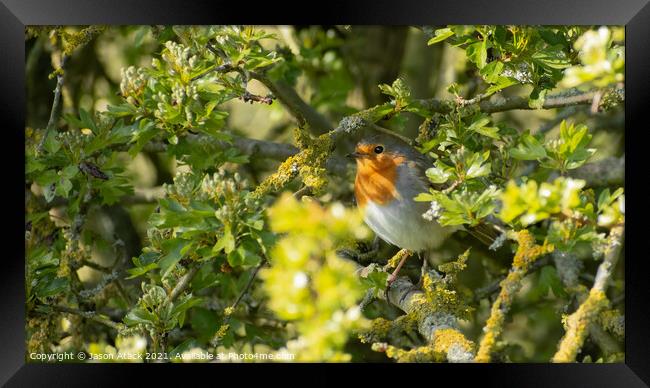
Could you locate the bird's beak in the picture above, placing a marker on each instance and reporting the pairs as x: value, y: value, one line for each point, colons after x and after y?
x: 355, y: 155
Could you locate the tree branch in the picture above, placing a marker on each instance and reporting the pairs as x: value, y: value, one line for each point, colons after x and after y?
x: 578, y: 323
x: 257, y: 148
x: 605, y: 172
x: 571, y: 97
x: 527, y: 253
x: 439, y: 328
x: 140, y: 196
x: 298, y: 108
x: 183, y: 283
x: 93, y: 316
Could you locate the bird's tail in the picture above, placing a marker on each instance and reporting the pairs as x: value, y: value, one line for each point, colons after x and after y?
x: 484, y: 232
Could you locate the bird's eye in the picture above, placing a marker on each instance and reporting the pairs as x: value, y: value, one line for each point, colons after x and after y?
x: 379, y: 149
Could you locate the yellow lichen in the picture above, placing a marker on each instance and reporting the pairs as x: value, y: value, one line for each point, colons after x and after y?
x: 73, y: 41
x: 445, y: 339
x: 378, y: 330
x: 420, y: 354
x: 528, y: 251
x: 577, y: 326
x: 309, y: 163
x: 223, y: 329
x: 526, y: 254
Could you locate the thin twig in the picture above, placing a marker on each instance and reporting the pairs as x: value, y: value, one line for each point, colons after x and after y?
x: 95, y: 266
x: 85, y: 314
x: 495, y: 286
x: 248, y: 284
x: 183, y: 282
x: 55, y: 112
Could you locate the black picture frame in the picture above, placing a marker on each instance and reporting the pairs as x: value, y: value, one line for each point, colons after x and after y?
x: 634, y: 14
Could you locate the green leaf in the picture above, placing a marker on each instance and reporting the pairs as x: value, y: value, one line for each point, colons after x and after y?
x: 69, y: 172
x: 501, y: 83
x: 47, y: 178
x: 139, y: 271
x: 492, y: 71
x: 51, y: 286
x: 122, y: 110
x: 491, y: 132
x: 477, y: 53
x: 182, y: 305
x: 424, y: 197
x: 63, y: 188
x: 528, y: 148
x: 51, y: 144
x: 243, y: 257
x: 479, y: 168
x: 139, y: 315
x: 537, y: 98
x: 173, y: 248
x: 551, y: 58
x: 440, y: 35
x: 437, y: 175
x: 548, y: 279
x: 204, y: 322
x: 87, y: 120
x: 226, y: 242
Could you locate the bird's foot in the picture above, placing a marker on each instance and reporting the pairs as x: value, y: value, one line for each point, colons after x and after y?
x: 423, y: 271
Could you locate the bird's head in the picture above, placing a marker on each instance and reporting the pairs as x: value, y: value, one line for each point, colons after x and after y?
x: 381, y: 152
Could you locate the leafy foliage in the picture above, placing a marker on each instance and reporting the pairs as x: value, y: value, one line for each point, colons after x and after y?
x: 158, y: 220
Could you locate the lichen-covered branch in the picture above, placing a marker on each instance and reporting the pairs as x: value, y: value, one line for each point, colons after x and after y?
x: 569, y: 98
x: 309, y: 164
x: 527, y: 253
x: 577, y: 324
x: 439, y: 328
x: 257, y: 148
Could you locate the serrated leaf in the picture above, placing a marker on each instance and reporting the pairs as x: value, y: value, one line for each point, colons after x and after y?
x: 440, y: 35
x: 492, y: 71
x: 477, y: 53
x: 225, y: 243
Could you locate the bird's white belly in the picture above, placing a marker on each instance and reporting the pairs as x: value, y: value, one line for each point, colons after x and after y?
x: 400, y: 223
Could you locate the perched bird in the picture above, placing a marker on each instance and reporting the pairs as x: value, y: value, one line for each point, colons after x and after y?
x: 390, y: 174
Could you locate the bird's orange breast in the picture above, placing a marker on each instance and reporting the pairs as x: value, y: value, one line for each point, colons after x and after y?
x: 375, y: 181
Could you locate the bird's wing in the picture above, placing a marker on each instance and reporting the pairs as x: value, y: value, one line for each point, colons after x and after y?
x: 423, y: 162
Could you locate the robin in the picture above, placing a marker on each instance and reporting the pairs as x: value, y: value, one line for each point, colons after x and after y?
x: 390, y: 174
